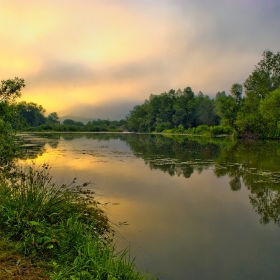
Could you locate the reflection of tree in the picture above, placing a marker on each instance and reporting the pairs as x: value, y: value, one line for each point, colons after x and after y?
x: 172, y: 156
x: 34, y: 146
x: 53, y: 143
x: 251, y: 164
x: 266, y: 202
x: 235, y: 183
x: 256, y: 164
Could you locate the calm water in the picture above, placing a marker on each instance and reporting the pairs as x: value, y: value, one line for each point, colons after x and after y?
x: 188, y: 209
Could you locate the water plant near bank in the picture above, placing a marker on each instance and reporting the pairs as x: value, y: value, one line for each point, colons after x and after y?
x: 59, y: 228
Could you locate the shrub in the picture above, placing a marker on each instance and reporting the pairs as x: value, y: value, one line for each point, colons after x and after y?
x: 202, y: 129
x: 219, y: 130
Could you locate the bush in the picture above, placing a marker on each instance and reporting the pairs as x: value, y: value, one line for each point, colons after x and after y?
x: 220, y: 130
x: 202, y: 129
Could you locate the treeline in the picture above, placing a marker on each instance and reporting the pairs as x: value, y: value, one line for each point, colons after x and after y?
x: 251, y: 109
x: 69, y: 125
x: 32, y: 118
x: 23, y: 116
x: 171, y: 109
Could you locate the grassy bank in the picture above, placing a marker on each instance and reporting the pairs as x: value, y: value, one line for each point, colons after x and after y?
x: 55, y: 231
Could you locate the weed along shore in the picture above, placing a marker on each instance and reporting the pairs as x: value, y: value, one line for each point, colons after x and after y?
x: 56, y: 231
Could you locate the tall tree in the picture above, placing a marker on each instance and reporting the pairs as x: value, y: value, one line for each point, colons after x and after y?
x: 258, y: 86
x: 266, y: 76
x: 236, y: 91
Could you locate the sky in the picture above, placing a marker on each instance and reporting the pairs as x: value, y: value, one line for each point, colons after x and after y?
x: 100, y: 58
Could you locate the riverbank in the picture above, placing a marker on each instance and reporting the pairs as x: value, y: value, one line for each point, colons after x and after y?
x: 56, y: 231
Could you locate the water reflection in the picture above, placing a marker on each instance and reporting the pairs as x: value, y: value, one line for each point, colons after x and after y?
x: 254, y: 165
x: 188, y: 202
x: 266, y: 202
x: 34, y: 146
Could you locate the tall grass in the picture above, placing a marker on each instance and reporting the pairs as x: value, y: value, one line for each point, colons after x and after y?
x: 61, y: 224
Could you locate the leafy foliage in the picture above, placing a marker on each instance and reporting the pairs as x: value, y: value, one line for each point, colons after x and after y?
x: 53, y: 118
x: 11, y: 89
x: 9, y: 119
x: 257, y: 113
x: 171, y: 109
x: 31, y: 113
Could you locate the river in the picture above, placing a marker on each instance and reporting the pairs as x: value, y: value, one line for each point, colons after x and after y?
x: 187, y: 208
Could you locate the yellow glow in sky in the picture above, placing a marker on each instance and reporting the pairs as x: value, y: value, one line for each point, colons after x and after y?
x: 77, y: 54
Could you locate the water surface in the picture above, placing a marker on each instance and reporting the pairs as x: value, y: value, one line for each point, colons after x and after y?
x: 188, y: 209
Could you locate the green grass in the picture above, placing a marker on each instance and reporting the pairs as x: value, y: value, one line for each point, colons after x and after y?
x: 60, y: 225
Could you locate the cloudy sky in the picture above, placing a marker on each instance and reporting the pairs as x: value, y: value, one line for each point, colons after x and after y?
x: 99, y: 58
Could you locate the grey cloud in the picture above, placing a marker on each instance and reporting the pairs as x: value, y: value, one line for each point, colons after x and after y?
x: 233, y: 24
x: 222, y: 30
x: 70, y: 74
x: 56, y: 72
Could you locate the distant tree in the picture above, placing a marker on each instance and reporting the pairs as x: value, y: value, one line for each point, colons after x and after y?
x: 204, y: 110
x: 69, y: 122
x: 78, y: 124
x: 137, y: 120
x: 184, y: 108
x: 172, y: 108
x: 227, y: 106
x: 236, y: 92
x: 53, y: 118
x: 31, y: 113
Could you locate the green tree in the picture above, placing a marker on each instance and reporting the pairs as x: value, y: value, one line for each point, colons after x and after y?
x: 31, y: 113
x: 137, y: 120
x: 236, y: 92
x: 53, y: 118
x: 9, y: 119
x: 258, y: 86
x: 204, y: 110
x: 249, y: 122
x: 227, y: 106
x: 270, y: 109
x: 68, y: 122
x: 184, y: 108
x: 11, y: 89
x: 266, y: 76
